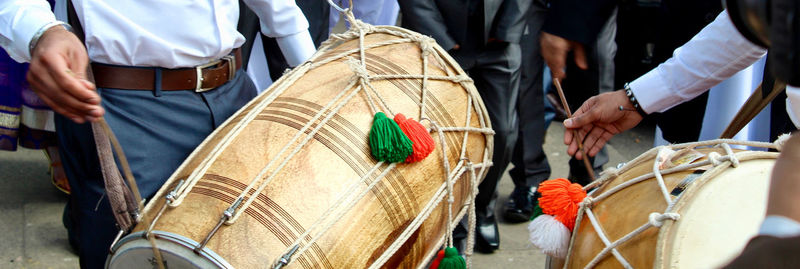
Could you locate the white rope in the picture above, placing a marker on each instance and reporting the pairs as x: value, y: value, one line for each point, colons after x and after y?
x: 661, y: 156
x: 449, y: 184
x: 456, y: 79
x: 605, y: 240
x: 438, y: 197
x: 351, y: 203
x: 361, y: 81
x: 731, y: 157
x: 285, y: 147
x: 656, y: 219
x: 472, y: 221
x: 339, y: 201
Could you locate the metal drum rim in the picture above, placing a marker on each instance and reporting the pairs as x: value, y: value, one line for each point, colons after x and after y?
x: 177, y: 239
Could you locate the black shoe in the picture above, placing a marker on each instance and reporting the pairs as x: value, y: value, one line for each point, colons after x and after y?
x: 487, y: 236
x: 520, y: 204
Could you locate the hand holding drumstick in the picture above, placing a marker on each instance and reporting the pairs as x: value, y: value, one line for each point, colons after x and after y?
x: 579, y: 143
x: 597, y: 120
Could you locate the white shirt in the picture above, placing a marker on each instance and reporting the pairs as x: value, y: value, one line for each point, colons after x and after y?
x: 170, y: 34
x: 716, y: 53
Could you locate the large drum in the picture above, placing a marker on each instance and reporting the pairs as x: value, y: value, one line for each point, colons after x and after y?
x: 693, y: 205
x: 289, y: 179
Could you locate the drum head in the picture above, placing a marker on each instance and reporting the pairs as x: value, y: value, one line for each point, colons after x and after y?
x: 718, y: 218
x: 134, y: 251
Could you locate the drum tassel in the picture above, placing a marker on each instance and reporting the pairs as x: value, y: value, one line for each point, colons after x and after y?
x: 387, y: 141
x: 559, y: 204
x: 422, y: 142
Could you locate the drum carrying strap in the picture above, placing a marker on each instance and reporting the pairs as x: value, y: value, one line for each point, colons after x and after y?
x: 125, y: 202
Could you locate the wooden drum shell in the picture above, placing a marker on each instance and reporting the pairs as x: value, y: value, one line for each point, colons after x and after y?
x: 337, y: 156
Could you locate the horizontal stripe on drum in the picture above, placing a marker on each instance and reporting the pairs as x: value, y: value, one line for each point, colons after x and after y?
x: 258, y: 216
x: 348, y: 130
x: 262, y: 201
x: 384, y: 196
x: 359, y: 140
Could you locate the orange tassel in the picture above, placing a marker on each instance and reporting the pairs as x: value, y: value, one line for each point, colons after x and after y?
x: 561, y: 199
x: 422, y: 141
x: 439, y: 257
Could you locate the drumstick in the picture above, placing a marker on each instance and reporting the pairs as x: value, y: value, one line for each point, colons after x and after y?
x: 574, y: 131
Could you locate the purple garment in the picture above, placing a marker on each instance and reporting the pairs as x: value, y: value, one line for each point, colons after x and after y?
x: 15, y: 92
x: 11, y: 76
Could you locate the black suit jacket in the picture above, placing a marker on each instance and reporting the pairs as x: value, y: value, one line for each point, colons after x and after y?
x: 769, y: 252
x: 446, y: 20
x: 578, y: 20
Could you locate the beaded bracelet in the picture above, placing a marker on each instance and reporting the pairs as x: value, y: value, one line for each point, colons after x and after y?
x: 632, y: 98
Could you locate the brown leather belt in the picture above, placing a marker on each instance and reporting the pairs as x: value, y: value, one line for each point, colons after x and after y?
x: 212, y: 75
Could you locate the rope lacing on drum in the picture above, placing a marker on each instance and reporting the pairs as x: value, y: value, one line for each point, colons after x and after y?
x: 730, y: 155
x: 611, y: 172
x: 361, y: 81
x: 658, y: 219
x: 587, y: 201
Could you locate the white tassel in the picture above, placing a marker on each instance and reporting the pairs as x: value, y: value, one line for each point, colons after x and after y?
x: 550, y: 235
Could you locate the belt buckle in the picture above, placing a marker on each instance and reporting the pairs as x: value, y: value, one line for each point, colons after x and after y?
x: 199, y: 69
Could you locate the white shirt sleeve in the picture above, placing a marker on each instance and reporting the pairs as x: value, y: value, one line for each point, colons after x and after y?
x: 718, y: 52
x: 793, y: 104
x: 779, y: 226
x: 284, y: 21
x: 19, y: 22
x: 296, y: 48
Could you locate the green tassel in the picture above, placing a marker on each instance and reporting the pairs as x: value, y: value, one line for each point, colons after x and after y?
x: 452, y: 260
x: 387, y: 141
x: 537, y: 211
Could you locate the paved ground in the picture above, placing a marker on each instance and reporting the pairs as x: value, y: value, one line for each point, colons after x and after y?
x: 32, y: 236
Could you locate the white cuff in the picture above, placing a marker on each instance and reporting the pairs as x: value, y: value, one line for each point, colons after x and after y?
x: 653, y: 92
x: 793, y: 104
x: 26, y: 23
x: 779, y: 226
x: 296, y: 48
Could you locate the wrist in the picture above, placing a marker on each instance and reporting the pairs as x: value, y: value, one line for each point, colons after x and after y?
x: 633, y: 102
x: 44, y: 29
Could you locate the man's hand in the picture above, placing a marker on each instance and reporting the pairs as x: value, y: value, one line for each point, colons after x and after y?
x: 785, y: 184
x: 554, y: 52
x: 599, y: 119
x: 58, y: 75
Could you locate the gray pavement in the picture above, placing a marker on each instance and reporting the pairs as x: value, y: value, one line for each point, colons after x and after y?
x: 32, y: 236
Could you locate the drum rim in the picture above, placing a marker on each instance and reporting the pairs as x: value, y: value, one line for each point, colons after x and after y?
x: 663, y: 241
x: 681, y: 200
x: 177, y: 239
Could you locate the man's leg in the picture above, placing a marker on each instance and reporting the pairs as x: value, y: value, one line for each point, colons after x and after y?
x: 496, y: 77
x: 530, y: 163
x: 583, y: 84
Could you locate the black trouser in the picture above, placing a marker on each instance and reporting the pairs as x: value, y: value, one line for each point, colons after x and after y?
x: 530, y: 162
x: 580, y: 85
x: 495, y: 70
